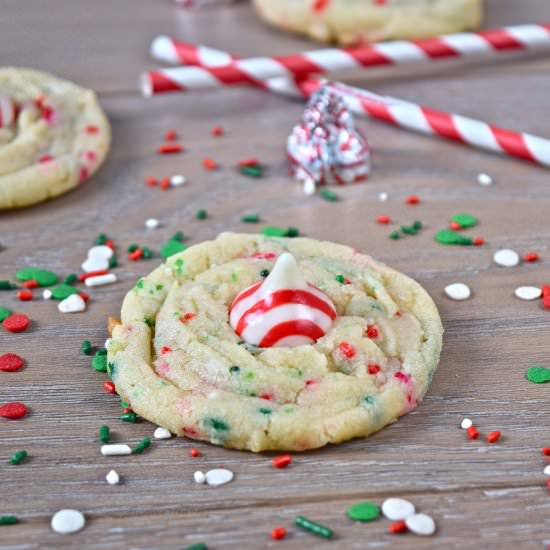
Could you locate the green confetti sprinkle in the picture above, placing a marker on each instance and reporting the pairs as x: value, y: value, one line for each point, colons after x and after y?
x: 177, y: 236
x: 201, y: 214
x: 363, y: 511
x: 18, y: 457
x: 145, y: 443
x: 417, y: 225
x: 8, y: 520
x: 124, y: 404
x: 250, y: 218
x: 86, y: 347
x: 341, y: 279
x: 264, y: 410
x: 273, y: 231
x: 150, y: 322
x: 538, y: 375
x: 465, y: 220
x: 409, y: 230
x: 255, y: 171
x: 104, y: 434
x: 62, y: 291
x: 41, y: 276
x: 329, y: 195
x: 369, y: 399
x: 171, y: 247
x: 70, y: 279
x: 7, y: 285
x: 99, y: 362
x: 394, y: 235
x: 197, y: 546
x: 101, y: 239
x: 132, y: 248
x: 264, y: 273
x: 234, y: 369
x: 313, y: 527
x: 450, y: 237
x: 129, y: 417
x: 4, y: 313
x: 292, y: 232
x: 113, y: 262
x: 146, y: 253
x: 217, y: 424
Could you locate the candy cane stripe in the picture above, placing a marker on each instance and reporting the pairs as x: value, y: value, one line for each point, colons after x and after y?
x: 500, y: 39
x: 442, y: 124
x: 513, y: 143
x: 291, y: 328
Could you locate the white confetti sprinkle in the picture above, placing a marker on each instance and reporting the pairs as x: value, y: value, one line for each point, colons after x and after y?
x: 152, y: 223
x: 47, y: 294
x: 218, y: 476
x: 177, y: 180
x: 199, y: 477
x: 112, y: 478
x: 107, y: 343
x: 546, y: 470
x: 458, y: 291
x: 67, y: 521
x: 72, y: 304
x: 162, y: 433
x: 116, y: 449
x: 95, y: 263
x: 484, y: 179
x: 506, y: 258
x: 383, y: 197
x: 397, y: 508
x: 466, y: 423
x: 309, y: 187
x: 100, y: 251
x: 101, y: 280
x: 421, y: 524
x: 528, y: 292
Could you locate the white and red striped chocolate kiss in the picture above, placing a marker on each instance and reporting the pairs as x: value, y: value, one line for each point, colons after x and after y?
x: 282, y: 310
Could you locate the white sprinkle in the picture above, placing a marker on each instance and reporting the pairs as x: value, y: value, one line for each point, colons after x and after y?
x: 484, y: 179
x: 218, y: 476
x: 162, y: 433
x: 112, y: 478
x: 100, y: 280
x: 47, y: 294
x: 397, y: 508
x: 107, y: 343
x: 528, y: 292
x: 72, y: 304
x: 421, y: 524
x: 309, y: 187
x: 67, y: 521
x: 95, y: 263
x: 199, y: 477
x: 383, y: 197
x: 458, y: 291
x: 115, y: 449
x: 506, y: 258
x: 546, y: 470
x: 152, y: 223
x: 466, y: 423
x: 177, y: 180
x: 100, y: 251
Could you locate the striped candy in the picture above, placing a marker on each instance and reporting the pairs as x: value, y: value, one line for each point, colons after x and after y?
x: 7, y: 111
x: 399, y: 52
x: 282, y: 310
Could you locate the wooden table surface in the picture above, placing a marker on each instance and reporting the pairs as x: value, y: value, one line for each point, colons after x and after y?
x: 491, y: 496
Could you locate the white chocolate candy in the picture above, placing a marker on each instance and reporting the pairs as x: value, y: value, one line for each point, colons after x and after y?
x: 68, y: 521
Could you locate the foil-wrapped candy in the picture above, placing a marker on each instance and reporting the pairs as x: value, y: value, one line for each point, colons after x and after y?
x: 326, y: 148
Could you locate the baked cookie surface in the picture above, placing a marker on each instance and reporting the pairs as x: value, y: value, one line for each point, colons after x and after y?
x: 353, y: 21
x: 53, y: 136
x: 178, y: 362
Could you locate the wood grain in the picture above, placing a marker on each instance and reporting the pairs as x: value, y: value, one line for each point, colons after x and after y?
x: 480, y: 495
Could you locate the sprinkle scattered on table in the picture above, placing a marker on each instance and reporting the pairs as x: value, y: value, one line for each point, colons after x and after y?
x: 397, y: 508
x: 313, y: 527
x: 538, y: 375
x: 11, y: 362
x: 112, y: 478
x: 506, y: 258
x: 458, y: 291
x: 364, y: 511
x: 219, y: 476
x: 68, y: 521
x: 528, y: 293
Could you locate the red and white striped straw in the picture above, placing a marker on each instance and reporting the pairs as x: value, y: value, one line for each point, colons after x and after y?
x: 399, y: 52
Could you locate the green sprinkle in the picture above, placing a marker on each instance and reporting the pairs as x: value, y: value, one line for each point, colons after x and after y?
x: 4, y: 313
x: 273, y: 231
x: 409, y: 230
x: 538, y: 375
x: 312, y: 527
x: 292, y: 232
x: 129, y: 417
x: 201, y: 214
x: 465, y: 220
x: 99, y: 363
x: 149, y: 322
x: 62, y: 291
x: 6, y: 285
x: 234, y: 369
x: 18, y: 457
x: 329, y: 195
x: 264, y: 410
x: 448, y: 236
x: 8, y: 520
x: 264, y: 273
x: 104, y: 434
x: 124, y: 404
x: 217, y: 424
x: 249, y: 375
x: 86, y: 347
x: 250, y: 218
x: 417, y: 225
x: 132, y: 248
x: 113, y: 262
x: 101, y: 239
x: 171, y: 247
x: 252, y: 171
x: 364, y: 511
x: 198, y: 546
x: 70, y: 279
x: 140, y: 283
x: 394, y: 235
x: 101, y: 351
x: 145, y: 443
x: 111, y: 370
x: 177, y: 236
x: 341, y: 279
x: 41, y: 276
x: 146, y: 253
x: 369, y: 399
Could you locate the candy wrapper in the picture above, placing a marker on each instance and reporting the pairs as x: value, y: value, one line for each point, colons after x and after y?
x: 326, y: 148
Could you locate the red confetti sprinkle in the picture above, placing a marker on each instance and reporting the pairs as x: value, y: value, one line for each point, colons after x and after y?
x: 310, y: 382
x: 493, y: 437
x: 32, y: 283
x: 479, y: 241
x: 187, y: 317
x: 372, y: 331
x: 11, y: 362
x: 170, y: 148
x: 109, y: 386
x: 347, y: 349
x: 209, y: 164
x: 278, y: 533
x: 84, y: 276
x: 111, y: 244
x: 248, y: 162
x: 455, y: 226
x: 282, y: 461
x: 546, y: 451
x: 45, y: 158
x: 412, y: 199
x: 17, y: 322
x: 545, y: 290
x: 151, y: 181
x: 472, y: 432
x: 165, y: 184
x: 373, y: 369
x: 135, y: 255
x: 398, y: 527
x: 165, y: 349
x: 84, y: 295
x: 13, y: 411
x: 83, y: 173
x: 383, y: 220
x: 218, y: 131
x: 170, y: 135
x: 194, y: 452
x: 24, y: 295
x: 127, y: 410
x: 320, y: 5
x: 531, y: 257
x: 92, y: 129
x: 546, y: 300
x: 266, y: 396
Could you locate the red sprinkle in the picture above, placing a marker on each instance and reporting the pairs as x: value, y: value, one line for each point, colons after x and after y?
x: 84, y: 295
x: 84, y: 276
x: 266, y: 396
x: 218, y: 131
x: 194, y: 452
x: 209, y: 164
x: 32, y: 283
x: 11, y: 362
x: 45, y: 158
x: 83, y: 173
x: 455, y: 226
x: 92, y: 129
x: 111, y: 244
x: 372, y: 331
x: 135, y: 255
x: 373, y: 369
x: 249, y: 162
x: 383, y: 220
x: 151, y: 181
x: 109, y: 386
x: 546, y: 451
x: 531, y: 257
x: 187, y: 317
x: 320, y: 5
x: 282, y: 461
x: 13, y: 411
x: 479, y: 241
x: 165, y: 184
x: 170, y: 148
x: 127, y: 410
x: 412, y: 199
x: 165, y: 349
x: 493, y: 437
x: 24, y: 295
x: 398, y: 527
x: 472, y: 432
x: 546, y: 300
x: 170, y: 135
x: 347, y: 349
x: 17, y: 322
x: 278, y: 533
x: 545, y: 290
